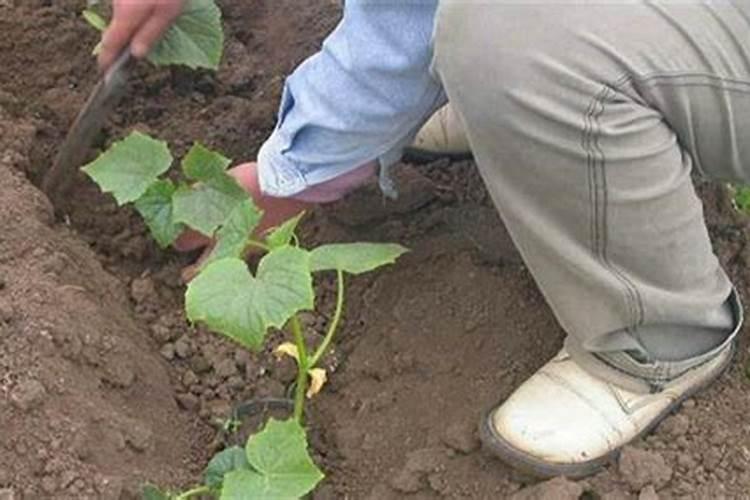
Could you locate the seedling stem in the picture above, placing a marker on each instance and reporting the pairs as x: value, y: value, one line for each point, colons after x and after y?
x: 200, y: 490
x: 334, y: 323
x: 299, y: 394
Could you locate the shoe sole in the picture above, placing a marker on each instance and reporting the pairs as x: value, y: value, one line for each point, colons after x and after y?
x: 526, y: 463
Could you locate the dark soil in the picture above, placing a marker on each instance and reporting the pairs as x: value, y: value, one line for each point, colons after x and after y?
x: 104, y: 385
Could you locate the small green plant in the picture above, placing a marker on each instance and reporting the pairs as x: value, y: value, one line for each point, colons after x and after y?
x: 236, y: 301
x: 227, y: 295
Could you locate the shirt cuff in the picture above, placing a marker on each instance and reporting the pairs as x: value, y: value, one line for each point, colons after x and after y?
x: 281, y: 177
x: 278, y: 176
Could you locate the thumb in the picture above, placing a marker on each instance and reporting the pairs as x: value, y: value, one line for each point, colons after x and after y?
x: 191, y: 271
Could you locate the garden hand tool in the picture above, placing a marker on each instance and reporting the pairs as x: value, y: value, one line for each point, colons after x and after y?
x: 88, y: 123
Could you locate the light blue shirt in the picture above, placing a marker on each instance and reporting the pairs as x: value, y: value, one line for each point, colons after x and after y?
x: 363, y: 97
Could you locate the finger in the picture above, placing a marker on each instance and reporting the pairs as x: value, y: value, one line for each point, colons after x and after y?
x: 191, y: 271
x: 150, y: 33
x: 246, y: 175
x: 191, y: 240
x: 125, y: 24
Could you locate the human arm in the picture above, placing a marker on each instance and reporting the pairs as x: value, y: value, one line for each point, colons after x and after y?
x: 360, y: 99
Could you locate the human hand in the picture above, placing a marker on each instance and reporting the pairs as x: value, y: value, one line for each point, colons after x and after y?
x: 138, y: 23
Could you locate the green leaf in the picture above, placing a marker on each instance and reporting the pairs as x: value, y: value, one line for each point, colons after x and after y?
x: 282, y: 467
x: 354, y: 258
x: 155, y: 206
x: 246, y: 485
x: 196, y: 38
x: 206, y: 206
x: 130, y: 167
x: 222, y: 463
x: 282, y: 235
x: 742, y: 198
x: 232, y: 237
x: 94, y: 19
x: 202, y: 164
x: 151, y: 492
x: 230, y: 300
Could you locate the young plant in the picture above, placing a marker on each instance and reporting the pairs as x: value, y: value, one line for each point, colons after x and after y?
x: 236, y: 301
x: 226, y: 295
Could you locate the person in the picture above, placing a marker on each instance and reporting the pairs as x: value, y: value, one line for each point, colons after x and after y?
x: 585, y: 121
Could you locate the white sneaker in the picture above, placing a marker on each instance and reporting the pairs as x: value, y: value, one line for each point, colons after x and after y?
x: 442, y: 136
x: 564, y: 422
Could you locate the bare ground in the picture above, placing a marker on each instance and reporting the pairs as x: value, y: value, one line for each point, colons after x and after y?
x: 103, y: 384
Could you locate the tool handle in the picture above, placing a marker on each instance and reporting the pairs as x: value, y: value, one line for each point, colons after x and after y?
x: 115, y: 73
x: 90, y: 119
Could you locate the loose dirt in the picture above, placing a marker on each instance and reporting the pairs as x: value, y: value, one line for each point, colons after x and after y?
x: 104, y: 385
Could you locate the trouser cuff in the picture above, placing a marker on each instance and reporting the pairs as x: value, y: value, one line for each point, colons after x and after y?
x: 623, y: 370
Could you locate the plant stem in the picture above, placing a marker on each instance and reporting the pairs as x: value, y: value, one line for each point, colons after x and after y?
x: 299, y: 394
x: 194, y: 492
x: 258, y: 244
x: 334, y: 323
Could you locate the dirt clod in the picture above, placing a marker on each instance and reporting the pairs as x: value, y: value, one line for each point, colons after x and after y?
x: 675, y: 426
x: 189, y: 378
x: 198, y: 364
x: 219, y: 410
x: 163, y: 333
x: 139, y: 436
x: 225, y: 368
x: 187, y: 401
x: 407, y: 482
x: 461, y: 436
x: 49, y: 484
x: 418, y: 465
x: 168, y: 351
x: 269, y: 388
x: 182, y: 348
x: 558, y: 488
x: 616, y: 495
x: 143, y: 290
x: 285, y: 370
x: 648, y: 493
x: 28, y: 395
x: 640, y: 468
x: 7, y: 494
x: 6, y: 311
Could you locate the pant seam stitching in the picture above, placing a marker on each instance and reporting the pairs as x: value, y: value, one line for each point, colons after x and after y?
x: 597, y: 176
x: 635, y: 294
x: 598, y: 224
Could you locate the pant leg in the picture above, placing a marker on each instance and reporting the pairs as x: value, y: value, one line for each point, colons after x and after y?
x: 586, y: 121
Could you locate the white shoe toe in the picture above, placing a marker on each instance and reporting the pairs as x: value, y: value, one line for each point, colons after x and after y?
x: 564, y: 421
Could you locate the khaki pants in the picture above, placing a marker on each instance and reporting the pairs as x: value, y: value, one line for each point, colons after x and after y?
x: 586, y: 121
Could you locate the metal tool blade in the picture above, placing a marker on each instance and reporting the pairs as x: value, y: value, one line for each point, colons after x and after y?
x: 104, y: 97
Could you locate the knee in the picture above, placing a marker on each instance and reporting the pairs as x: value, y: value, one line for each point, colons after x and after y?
x: 522, y: 51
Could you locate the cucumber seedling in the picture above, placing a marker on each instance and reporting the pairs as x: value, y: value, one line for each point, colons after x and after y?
x: 241, y: 303
x: 226, y: 295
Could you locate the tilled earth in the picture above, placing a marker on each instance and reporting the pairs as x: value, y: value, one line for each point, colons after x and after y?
x: 104, y: 385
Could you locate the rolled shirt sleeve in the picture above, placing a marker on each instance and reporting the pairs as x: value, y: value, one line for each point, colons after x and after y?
x: 361, y: 98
